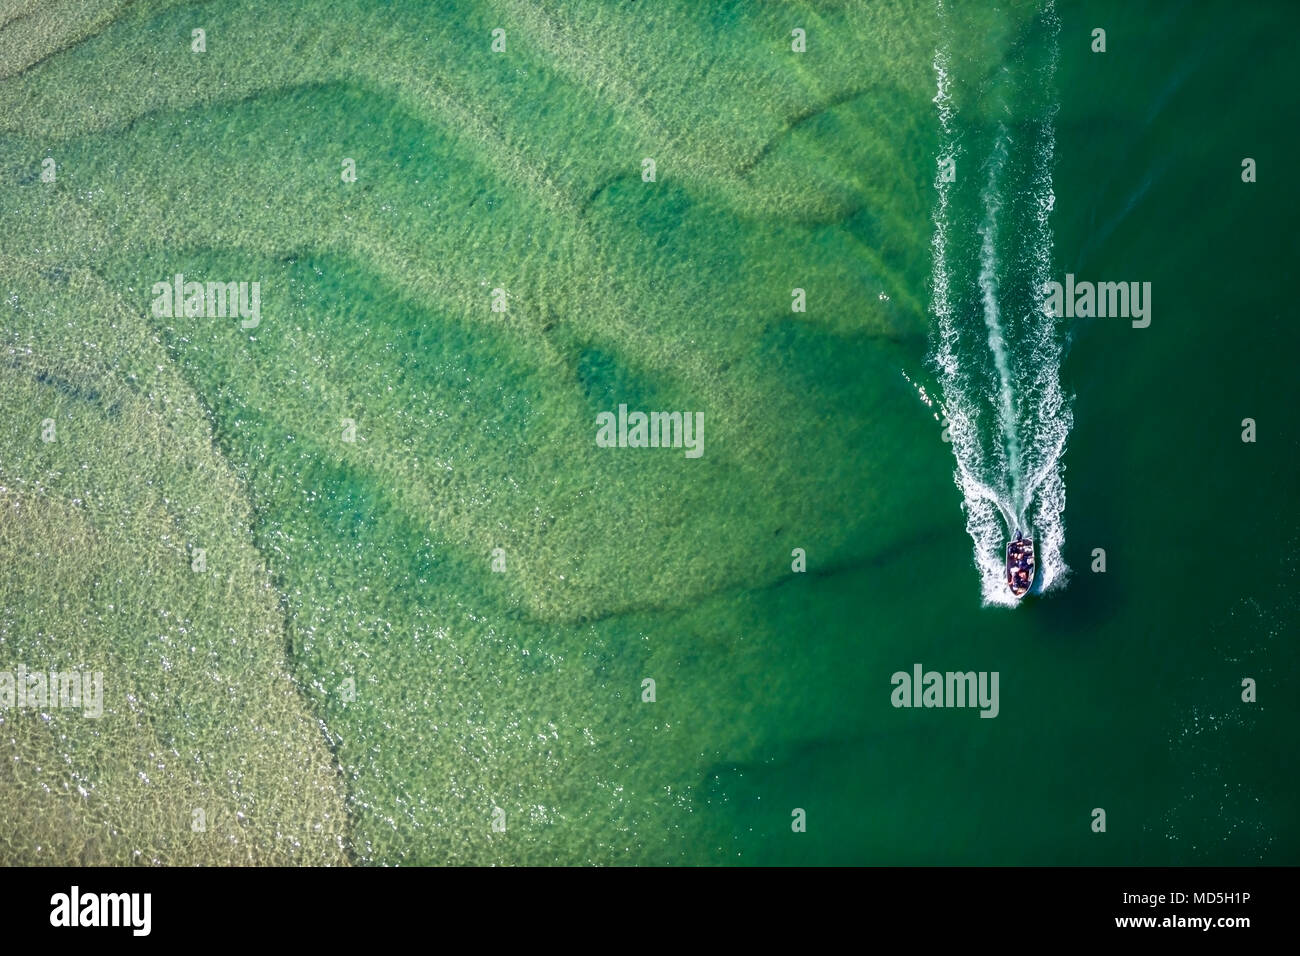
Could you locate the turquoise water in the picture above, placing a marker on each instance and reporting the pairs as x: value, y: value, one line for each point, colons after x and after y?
x: 350, y: 681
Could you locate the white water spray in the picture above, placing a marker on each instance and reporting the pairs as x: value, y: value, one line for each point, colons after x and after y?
x: 1010, y: 476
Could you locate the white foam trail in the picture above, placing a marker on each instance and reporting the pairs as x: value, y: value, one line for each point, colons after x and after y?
x: 1021, y: 473
x: 1050, y: 414
x: 985, y: 512
x: 988, y: 281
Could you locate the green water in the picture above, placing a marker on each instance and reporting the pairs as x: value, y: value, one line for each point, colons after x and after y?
x: 349, y: 681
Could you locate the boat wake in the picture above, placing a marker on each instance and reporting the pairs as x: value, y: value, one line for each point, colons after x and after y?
x: 997, y: 350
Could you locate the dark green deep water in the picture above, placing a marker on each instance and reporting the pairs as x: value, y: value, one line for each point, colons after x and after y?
x: 522, y: 692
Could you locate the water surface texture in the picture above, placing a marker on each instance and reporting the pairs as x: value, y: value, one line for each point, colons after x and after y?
x: 428, y: 602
